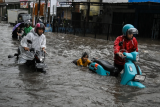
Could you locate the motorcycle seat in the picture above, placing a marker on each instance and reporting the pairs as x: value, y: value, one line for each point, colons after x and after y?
x: 105, y: 64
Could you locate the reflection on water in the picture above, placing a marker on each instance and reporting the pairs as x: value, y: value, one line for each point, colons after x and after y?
x: 70, y: 86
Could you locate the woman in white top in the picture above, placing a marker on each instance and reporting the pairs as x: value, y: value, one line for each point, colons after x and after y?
x: 37, y: 37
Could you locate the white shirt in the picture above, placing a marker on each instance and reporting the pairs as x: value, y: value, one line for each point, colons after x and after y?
x: 38, y: 42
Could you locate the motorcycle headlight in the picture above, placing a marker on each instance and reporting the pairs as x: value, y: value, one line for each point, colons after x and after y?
x: 137, y: 58
x: 41, y: 59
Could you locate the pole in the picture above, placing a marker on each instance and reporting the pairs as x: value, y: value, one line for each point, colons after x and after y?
x: 96, y: 30
x: 33, y: 13
x: 46, y: 7
x: 50, y: 15
x: 38, y: 10
x: 66, y: 13
x: 84, y: 26
x: 88, y: 10
x: 108, y: 31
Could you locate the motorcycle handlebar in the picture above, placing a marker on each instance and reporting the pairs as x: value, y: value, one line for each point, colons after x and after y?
x: 124, y: 57
x: 33, y: 50
x: 121, y: 56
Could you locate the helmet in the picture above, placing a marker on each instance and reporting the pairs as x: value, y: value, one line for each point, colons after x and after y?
x: 39, y: 25
x: 27, y: 24
x: 130, y: 29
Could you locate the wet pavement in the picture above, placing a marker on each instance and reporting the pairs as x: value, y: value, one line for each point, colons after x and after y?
x: 66, y: 85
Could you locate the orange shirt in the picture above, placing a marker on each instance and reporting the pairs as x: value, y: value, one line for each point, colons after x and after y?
x: 80, y: 62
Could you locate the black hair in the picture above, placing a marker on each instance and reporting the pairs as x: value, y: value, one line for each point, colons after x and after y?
x: 84, y: 54
x: 27, y: 24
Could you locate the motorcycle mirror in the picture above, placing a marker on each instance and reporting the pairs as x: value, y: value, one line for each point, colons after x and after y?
x: 120, y: 43
x: 29, y: 41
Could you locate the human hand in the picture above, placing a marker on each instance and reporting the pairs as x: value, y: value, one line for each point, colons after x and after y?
x: 44, y: 50
x: 120, y: 54
x: 26, y: 48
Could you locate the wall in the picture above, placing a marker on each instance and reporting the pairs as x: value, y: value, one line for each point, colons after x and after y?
x: 67, y: 12
x: 11, y: 0
x: 1, y: 1
x: 94, y: 10
x: 71, y: 0
x: 144, y: 1
x: 17, y: 0
x: 114, y: 1
x: 53, y: 9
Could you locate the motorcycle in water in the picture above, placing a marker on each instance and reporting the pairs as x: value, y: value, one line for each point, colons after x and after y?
x: 132, y: 74
x: 33, y: 58
x: 102, y: 67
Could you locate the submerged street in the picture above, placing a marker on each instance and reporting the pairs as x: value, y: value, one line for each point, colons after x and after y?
x: 66, y: 85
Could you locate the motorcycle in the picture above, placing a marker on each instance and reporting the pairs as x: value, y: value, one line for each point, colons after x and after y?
x: 132, y: 74
x: 102, y: 67
x: 33, y: 58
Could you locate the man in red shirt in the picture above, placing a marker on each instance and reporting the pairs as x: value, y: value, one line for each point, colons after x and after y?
x: 124, y: 43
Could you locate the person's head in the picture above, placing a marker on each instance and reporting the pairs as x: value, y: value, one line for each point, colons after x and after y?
x: 27, y: 25
x: 18, y: 28
x: 129, y: 35
x: 85, y: 56
x: 129, y: 30
x: 20, y: 18
x: 39, y: 28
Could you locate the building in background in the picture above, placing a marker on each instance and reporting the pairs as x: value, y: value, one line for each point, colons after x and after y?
x: 113, y: 14
x: 114, y: 1
x: 63, y: 9
x: 145, y: 16
x: 144, y: 1
x: 14, y: 4
x: 8, y: 4
x: 1, y: 8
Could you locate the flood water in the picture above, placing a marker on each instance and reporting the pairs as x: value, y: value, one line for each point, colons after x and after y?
x: 66, y: 85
